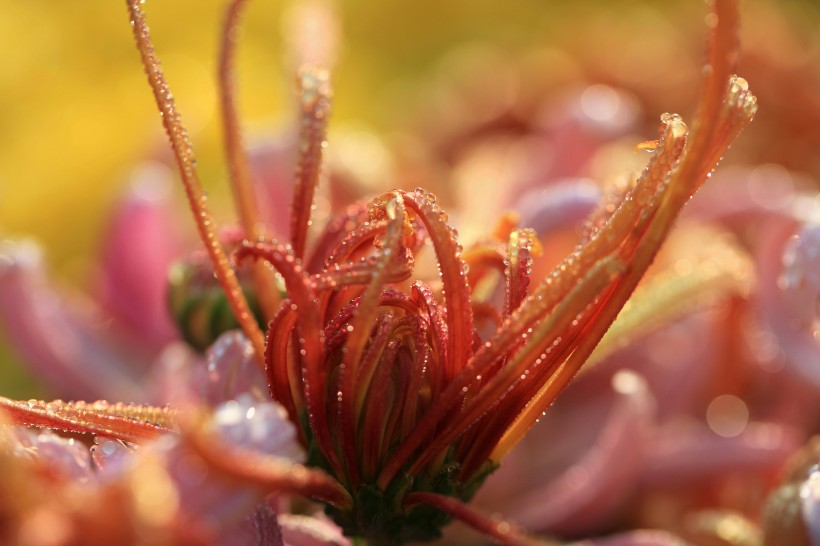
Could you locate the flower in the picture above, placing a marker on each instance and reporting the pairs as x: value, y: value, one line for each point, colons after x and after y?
x: 450, y: 385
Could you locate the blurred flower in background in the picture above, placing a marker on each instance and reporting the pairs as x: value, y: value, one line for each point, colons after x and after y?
x: 536, y: 110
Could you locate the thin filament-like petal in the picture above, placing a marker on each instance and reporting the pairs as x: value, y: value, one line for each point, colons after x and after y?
x: 181, y: 145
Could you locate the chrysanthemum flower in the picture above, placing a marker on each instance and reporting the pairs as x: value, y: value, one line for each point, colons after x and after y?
x: 407, y: 392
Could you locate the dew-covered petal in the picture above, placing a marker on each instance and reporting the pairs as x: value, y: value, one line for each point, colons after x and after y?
x: 67, y: 456
x: 68, y: 343
x: 127, y: 422
x: 111, y: 457
x: 230, y: 370
x: 259, y: 426
x: 208, y: 495
x: 311, y: 349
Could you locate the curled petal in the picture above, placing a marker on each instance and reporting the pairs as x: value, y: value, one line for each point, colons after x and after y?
x: 360, y: 327
x: 552, y: 292
x: 335, y: 232
x: 186, y: 162
x: 311, y: 338
x: 522, y: 245
x: 453, y: 273
x: 278, y: 361
x: 357, y: 273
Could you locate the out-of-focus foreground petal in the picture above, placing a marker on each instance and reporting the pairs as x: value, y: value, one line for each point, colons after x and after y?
x: 68, y: 342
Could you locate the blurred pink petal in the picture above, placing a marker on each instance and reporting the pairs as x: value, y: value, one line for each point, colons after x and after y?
x: 299, y: 530
x: 686, y: 453
x: 66, y: 456
x: 68, y: 343
x: 679, y: 373
x: 177, y: 376
x: 636, y: 538
x: 561, y: 205
x: 273, y: 164
x: 577, y: 127
x: 588, y: 493
x: 743, y: 194
x: 140, y: 246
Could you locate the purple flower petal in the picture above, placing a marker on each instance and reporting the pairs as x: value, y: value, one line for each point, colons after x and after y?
x: 111, y: 457
x: 259, y: 426
x: 561, y: 205
x: 66, y: 455
x: 785, y: 312
x: 68, y: 343
x: 218, y: 503
x: 231, y: 370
